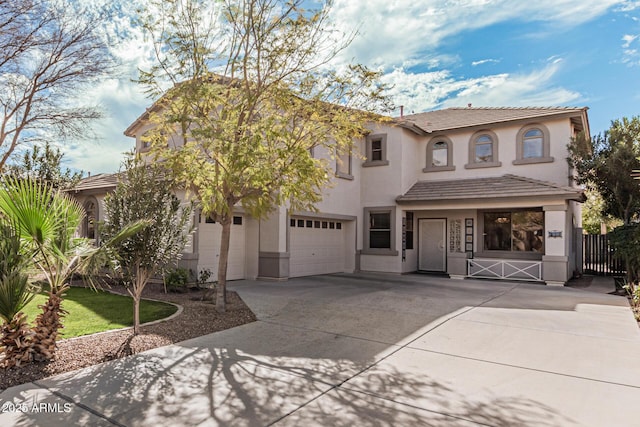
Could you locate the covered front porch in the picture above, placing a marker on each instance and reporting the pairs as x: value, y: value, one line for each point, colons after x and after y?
x: 508, y: 227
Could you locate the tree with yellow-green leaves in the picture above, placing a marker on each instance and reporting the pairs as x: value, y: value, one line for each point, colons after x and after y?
x: 245, y: 90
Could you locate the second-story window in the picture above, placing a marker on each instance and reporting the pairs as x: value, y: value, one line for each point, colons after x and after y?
x: 376, y: 150
x: 483, y: 150
x: 439, y: 155
x: 533, y: 145
x: 343, y: 165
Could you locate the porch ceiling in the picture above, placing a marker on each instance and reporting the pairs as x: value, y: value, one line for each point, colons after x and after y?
x: 501, y: 187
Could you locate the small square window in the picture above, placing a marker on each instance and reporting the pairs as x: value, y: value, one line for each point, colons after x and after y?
x: 292, y: 222
x: 332, y: 225
x: 338, y: 225
x: 376, y: 150
x: 237, y: 220
x: 309, y: 223
x: 209, y: 220
x: 316, y: 224
x: 301, y: 223
x: 324, y: 224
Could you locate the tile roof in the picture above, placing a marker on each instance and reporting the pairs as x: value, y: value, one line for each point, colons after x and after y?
x: 458, y: 118
x: 101, y: 180
x: 506, y: 186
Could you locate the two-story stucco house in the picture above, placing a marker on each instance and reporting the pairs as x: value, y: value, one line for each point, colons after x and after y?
x: 468, y: 192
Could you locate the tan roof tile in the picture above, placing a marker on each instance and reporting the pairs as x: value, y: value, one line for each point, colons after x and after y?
x: 507, y: 186
x: 458, y: 118
x: 101, y: 180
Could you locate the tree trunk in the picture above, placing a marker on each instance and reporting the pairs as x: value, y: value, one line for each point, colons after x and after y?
x: 136, y: 315
x: 221, y: 289
x: 142, y: 277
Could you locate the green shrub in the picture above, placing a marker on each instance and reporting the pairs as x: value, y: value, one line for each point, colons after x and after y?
x: 176, y: 279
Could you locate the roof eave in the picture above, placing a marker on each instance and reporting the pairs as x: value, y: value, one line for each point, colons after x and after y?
x: 578, y: 196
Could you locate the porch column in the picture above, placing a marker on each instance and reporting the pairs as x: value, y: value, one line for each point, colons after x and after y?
x: 273, y: 257
x: 555, y: 261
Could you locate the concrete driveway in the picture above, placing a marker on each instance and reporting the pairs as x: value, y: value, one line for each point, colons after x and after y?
x: 372, y: 350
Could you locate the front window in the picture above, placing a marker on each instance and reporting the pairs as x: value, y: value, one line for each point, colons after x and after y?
x: 533, y: 144
x: 343, y: 165
x: 516, y: 231
x: 90, y: 209
x: 376, y: 150
x: 380, y: 230
x: 484, y: 149
x: 439, y: 155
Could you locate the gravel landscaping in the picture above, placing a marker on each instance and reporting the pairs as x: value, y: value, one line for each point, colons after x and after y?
x: 197, y: 318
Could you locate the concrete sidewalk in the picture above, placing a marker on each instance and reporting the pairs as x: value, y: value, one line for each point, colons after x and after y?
x: 370, y: 350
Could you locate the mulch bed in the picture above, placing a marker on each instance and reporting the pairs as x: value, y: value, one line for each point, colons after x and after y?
x: 198, y: 318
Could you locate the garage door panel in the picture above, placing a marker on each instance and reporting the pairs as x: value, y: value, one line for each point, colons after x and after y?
x: 316, y: 250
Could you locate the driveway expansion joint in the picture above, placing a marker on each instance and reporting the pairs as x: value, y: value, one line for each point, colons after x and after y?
x: 79, y: 405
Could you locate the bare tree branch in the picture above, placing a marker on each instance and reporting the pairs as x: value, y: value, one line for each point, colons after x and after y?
x: 48, y: 54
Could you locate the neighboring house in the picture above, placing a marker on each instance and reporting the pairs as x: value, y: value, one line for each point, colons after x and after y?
x: 481, y: 192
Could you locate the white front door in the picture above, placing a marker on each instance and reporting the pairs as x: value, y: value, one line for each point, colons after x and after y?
x: 431, y: 246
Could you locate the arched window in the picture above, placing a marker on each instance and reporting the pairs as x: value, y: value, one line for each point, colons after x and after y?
x: 483, y: 150
x: 533, y: 145
x: 89, y: 227
x: 439, y: 155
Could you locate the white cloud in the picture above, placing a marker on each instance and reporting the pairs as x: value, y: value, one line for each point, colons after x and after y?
x: 629, y: 6
x: 425, y: 91
x: 484, y: 61
x: 628, y: 39
x: 392, y: 33
x: 630, y: 54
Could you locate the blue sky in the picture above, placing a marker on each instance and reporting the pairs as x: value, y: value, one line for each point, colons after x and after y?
x: 436, y: 54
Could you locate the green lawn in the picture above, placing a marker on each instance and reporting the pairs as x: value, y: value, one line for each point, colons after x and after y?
x: 91, y: 311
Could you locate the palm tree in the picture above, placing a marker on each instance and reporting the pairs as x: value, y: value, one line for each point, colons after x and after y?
x: 47, y: 220
x: 16, y: 338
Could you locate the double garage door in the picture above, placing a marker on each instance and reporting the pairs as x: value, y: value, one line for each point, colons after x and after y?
x: 316, y: 246
x: 209, y: 235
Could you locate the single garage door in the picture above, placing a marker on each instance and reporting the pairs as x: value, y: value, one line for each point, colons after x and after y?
x: 316, y: 247
x: 209, y: 233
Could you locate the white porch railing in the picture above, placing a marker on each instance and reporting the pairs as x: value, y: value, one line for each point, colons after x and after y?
x: 504, y: 269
